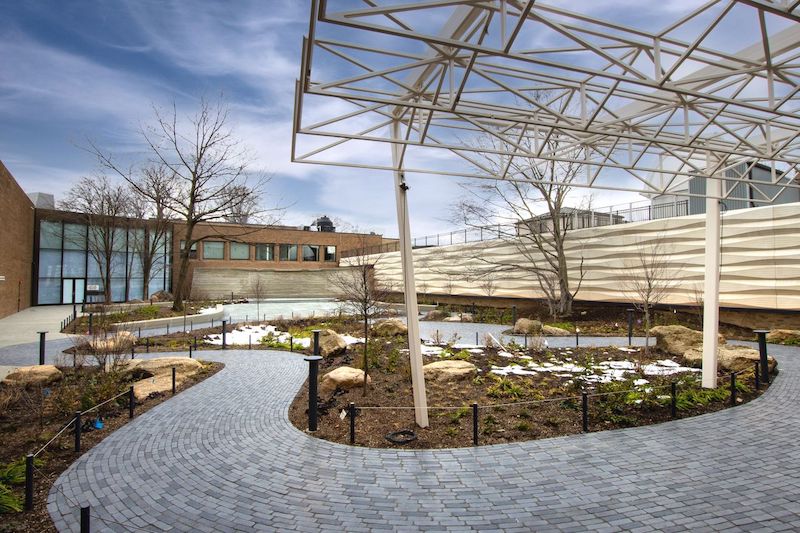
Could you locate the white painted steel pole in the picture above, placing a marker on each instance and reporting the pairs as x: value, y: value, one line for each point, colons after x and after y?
x: 409, y: 286
x: 711, y: 288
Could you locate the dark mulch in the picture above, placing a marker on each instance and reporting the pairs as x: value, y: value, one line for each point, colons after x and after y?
x: 504, y: 416
x: 21, y: 435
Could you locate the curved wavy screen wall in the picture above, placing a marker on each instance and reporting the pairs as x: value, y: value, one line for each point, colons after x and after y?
x: 760, y: 262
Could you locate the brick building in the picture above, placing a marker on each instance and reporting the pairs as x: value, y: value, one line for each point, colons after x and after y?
x: 49, y: 256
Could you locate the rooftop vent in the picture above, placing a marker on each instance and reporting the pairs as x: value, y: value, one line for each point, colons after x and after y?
x: 323, y: 223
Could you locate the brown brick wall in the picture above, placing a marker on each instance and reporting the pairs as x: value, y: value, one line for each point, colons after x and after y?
x: 16, y: 243
x: 266, y: 235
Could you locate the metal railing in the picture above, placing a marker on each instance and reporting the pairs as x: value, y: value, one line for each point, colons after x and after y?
x: 572, y: 219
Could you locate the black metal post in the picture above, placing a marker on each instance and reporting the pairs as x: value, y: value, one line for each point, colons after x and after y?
x: 147, y: 344
x: 173, y: 380
x: 577, y: 337
x: 131, y: 402
x: 630, y: 313
x: 513, y: 314
x: 316, y: 341
x: 190, y: 350
x: 85, y: 520
x: 133, y: 351
x: 526, y: 341
x: 352, y: 423
x: 476, y: 338
x: 291, y: 344
x: 313, y: 375
x: 29, y: 482
x: 42, y: 335
x: 673, y: 404
x: 762, y: 352
x: 91, y: 322
x: 224, y: 338
x: 167, y: 328
x: 733, y: 389
x: 585, y: 411
x: 77, y: 431
x: 195, y: 343
x: 249, y: 342
x: 475, y: 424
x: 140, y: 332
x: 757, y: 376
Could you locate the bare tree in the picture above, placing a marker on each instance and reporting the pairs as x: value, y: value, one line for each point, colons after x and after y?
x: 105, y: 208
x: 207, y: 167
x: 150, y: 242
x: 360, y: 294
x: 650, y: 277
x: 258, y: 289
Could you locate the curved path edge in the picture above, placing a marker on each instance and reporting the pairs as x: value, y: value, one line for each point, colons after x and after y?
x: 223, y: 456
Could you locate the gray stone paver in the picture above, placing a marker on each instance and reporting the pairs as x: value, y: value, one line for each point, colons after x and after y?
x: 223, y: 456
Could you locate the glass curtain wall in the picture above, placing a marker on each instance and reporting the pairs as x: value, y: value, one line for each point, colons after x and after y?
x: 71, y: 258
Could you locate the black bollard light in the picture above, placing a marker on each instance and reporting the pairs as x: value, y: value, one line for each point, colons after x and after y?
x: 316, y: 341
x: 762, y: 352
x: 291, y: 344
x: 42, y: 335
x: 147, y: 344
x: 195, y: 343
x: 173, y: 380
x: 476, y: 338
x: 352, y: 423
x: 224, y: 339
x: 86, y: 525
x: 313, y: 378
x: 513, y: 314
x: 577, y: 337
x: 630, y: 313
x: 133, y: 351
x: 585, y: 411
x: 190, y: 350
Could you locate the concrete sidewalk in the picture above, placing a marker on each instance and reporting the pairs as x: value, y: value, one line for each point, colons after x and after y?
x: 23, y: 327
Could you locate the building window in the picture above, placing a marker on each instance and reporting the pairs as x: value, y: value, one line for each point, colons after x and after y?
x: 288, y: 252
x: 192, y: 250
x: 330, y: 253
x: 50, y: 235
x: 264, y: 252
x: 240, y: 251
x: 310, y: 252
x: 213, y: 250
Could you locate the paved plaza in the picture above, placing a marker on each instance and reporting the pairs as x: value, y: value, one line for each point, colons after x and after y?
x: 223, y: 456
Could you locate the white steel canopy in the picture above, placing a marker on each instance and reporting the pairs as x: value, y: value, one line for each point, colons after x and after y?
x: 642, y: 103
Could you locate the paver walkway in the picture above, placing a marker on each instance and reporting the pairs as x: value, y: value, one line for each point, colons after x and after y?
x: 222, y: 456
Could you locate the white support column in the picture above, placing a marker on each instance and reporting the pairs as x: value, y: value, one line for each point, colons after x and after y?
x: 409, y: 287
x: 711, y: 289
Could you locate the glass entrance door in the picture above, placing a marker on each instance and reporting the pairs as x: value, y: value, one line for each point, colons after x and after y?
x: 73, y: 290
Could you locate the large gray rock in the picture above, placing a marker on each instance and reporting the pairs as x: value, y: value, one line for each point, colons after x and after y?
x: 36, y: 375
x: 676, y: 340
x: 730, y: 357
x: 526, y: 325
x: 344, y: 377
x: 554, y: 331
x: 459, y: 317
x: 390, y: 328
x: 449, y: 370
x: 784, y: 336
x: 435, y: 315
x: 331, y: 343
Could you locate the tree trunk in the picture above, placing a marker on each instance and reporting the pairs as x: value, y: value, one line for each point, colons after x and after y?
x: 646, y: 328
x: 366, y: 360
x: 183, y: 270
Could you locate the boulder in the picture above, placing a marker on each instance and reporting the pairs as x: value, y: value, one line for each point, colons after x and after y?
x: 526, y: 325
x: 784, y: 336
x: 390, y: 328
x: 33, y: 376
x: 554, y: 331
x: 160, y: 374
x: 120, y: 342
x: 676, y: 340
x: 435, y: 314
x: 459, y: 317
x: 344, y: 377
x: 161, y: 296
x: 449, y: 370
x: 331, y: 343
x: 730, y: 357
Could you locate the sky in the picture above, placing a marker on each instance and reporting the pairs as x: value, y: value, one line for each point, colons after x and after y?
x: 93, y: 71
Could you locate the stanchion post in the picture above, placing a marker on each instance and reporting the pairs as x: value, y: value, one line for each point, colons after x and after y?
x: 585, y: 411
x: 85, y: 520
x: 131, y: 402
x: 291, y: 344
x: 42, y: 335
x: 733, y: 389
x: 173, y: 380
x: 475, y: 424
x: 224, y: 339
x: 77, y: 431
x: 313, y: 378
x: 673, y: 404
x: 316, y: 341
x: 352, y: 408
x: 630, y: 313
x: 29, y: 482
x: 762, y: 352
